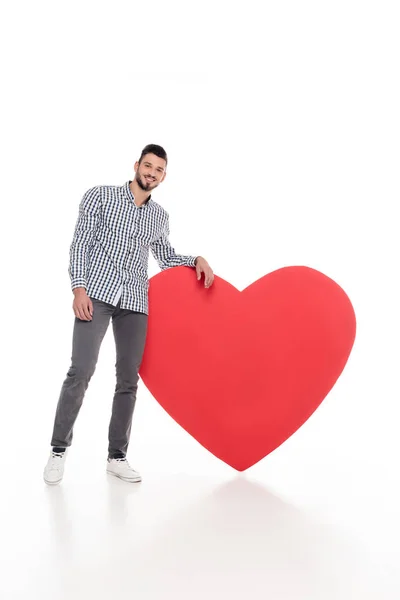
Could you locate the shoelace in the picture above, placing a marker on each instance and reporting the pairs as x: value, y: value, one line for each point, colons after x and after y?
x: 125, y: 461
x: 55, y: 463
x: 58, y: 454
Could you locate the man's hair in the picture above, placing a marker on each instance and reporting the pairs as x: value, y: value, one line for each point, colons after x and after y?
x: 154, y: 149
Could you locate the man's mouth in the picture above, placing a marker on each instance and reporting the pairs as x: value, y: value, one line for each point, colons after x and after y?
x: 149, y: 179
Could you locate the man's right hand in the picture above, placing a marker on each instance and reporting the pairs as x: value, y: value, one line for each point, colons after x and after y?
x: 82, y: 305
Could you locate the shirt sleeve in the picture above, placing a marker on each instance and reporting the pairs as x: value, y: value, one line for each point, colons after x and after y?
x: 165, y: 254
x: 85, y: 228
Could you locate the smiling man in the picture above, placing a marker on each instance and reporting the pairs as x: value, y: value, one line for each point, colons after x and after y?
x: 116, y: 228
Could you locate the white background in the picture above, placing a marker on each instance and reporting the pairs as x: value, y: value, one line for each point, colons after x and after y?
x: 281, y: 123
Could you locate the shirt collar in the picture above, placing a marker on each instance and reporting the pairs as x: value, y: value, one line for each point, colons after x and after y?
x: 131, y: 197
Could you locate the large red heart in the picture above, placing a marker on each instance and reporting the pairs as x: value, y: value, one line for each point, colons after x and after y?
x: 242, y: 371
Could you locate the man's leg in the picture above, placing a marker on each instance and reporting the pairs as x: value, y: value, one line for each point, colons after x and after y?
x: 87, y: 339
x: 130, y: 330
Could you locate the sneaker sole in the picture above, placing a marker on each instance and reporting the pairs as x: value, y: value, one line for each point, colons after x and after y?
x: 137, y: 480
x: 52, y: 482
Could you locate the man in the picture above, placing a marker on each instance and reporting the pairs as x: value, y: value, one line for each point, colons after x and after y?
x: 108, y: 267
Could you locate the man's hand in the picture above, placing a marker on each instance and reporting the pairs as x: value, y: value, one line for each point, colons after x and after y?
x: 82, y: 305
x: 202, y: 266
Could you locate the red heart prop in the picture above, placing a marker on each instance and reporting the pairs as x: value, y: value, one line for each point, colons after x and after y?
x: 242, y: 371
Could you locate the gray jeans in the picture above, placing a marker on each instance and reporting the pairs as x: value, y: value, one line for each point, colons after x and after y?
x: 130, y: 330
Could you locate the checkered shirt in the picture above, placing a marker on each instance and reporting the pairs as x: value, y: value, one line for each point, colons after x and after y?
x: 110, y: 249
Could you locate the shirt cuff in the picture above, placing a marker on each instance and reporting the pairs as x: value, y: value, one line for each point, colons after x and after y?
x: 78, y: 282
x: 191, y: 261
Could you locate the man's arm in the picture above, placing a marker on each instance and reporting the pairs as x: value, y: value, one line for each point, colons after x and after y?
x: 166, y: 257
x: 88, y: 219
x: 165, y: 254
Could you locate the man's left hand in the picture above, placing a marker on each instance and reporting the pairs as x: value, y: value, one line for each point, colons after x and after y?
x: 202, y: 266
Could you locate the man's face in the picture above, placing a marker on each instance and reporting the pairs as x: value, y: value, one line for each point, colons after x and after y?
x: 151, y: 172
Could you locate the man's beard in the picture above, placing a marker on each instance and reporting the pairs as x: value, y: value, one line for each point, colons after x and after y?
x: 143, y: 186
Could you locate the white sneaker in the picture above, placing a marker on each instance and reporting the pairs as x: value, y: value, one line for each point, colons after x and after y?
x: 119, y: 467
x: 54, y: 470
